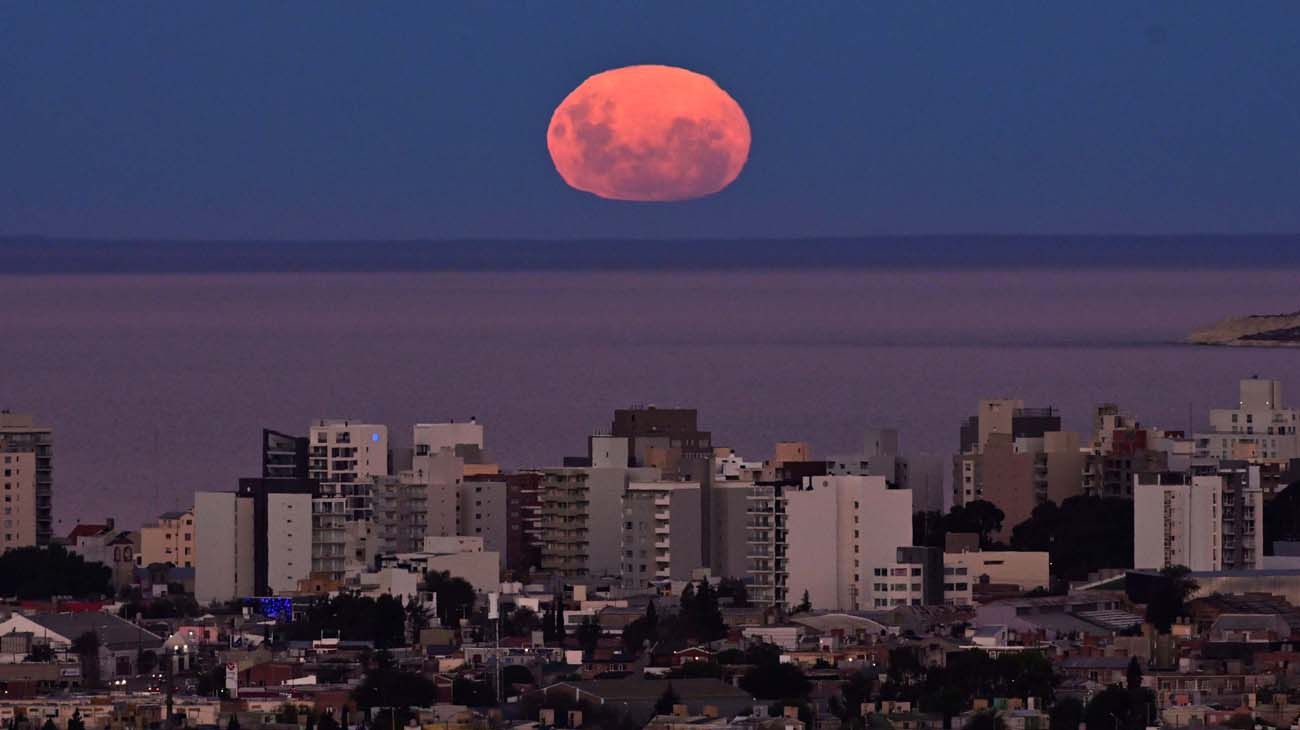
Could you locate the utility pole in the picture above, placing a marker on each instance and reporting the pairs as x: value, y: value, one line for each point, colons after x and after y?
x: 171, y: 658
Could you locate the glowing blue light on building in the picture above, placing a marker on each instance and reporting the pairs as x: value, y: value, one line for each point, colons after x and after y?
x: 374, y: 437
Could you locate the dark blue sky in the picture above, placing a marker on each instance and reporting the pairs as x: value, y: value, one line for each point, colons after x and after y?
x: 427, y: 120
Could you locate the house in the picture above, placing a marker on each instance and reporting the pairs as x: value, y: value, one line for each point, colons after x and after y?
x: 121, y: 643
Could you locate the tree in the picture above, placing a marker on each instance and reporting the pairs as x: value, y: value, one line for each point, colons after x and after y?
x: 805, y: 604
x: 287, y: 714
x: 455, y: 596
x: 1117, y: 707
x: 87, y: 648
x: 854, y: 691
x: 76, y: 722
x: 946, y: 701
x: 553, y: 621
x: 1168, y: 599
x: 465, y: 691
x: 1083, y: 535
x: 589, y: 635
x: 735, y: 589
x: 642, y: 630
x: 515, y: 674
x: 979, y: 516
x: 669, y: 698
x: 417, y: 619
x: 1066, y: 714
x: 523, y: 621
x: 381, y: 620
x: 699, y: 616
x: 1134, y: 675
x: 49, y: 725
x: 327, y: 722
x: 986, y: 720
x: 778, y: 681
x: 1282, y: 517
x: 385, y: 685
x: 42, y: 572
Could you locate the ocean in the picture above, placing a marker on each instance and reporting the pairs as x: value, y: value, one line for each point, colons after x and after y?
x: 158, y: 383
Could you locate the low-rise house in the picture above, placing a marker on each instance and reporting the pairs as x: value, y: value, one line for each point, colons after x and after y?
x: 121, y: 643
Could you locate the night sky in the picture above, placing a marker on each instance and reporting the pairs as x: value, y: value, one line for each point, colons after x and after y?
x: 428, y: 120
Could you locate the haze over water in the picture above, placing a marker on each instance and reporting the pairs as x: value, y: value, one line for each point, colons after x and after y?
x: 157, y: 385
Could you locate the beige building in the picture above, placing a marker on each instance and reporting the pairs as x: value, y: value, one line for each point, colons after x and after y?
x: 20, y: 434
x: 345, y: 457
x: 18, y: 487
x: 843, y: 532
x: 1259, y: 430
x: 962, y: 571
x: 169, y: 540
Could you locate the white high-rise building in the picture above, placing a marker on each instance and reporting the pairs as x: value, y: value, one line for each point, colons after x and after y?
x: 430, y: 438
x: 1259, y: 430
x: 345, y: 457
x: 223, y: 546
x: 288, y: 540
x: 1177, y: 520
x: 840, y: 532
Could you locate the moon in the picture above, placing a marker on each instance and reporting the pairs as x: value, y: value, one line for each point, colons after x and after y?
x: 649, y: 133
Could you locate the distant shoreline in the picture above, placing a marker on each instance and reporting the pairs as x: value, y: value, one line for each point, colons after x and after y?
x: 1256, y: 330
x: 37, y: 255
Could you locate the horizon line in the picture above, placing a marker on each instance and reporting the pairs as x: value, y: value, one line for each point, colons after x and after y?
x: 21, y: 237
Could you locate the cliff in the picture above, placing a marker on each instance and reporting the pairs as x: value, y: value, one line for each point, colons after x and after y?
x: 1256, y: 330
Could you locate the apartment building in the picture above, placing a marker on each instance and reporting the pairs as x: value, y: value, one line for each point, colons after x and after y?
x: 1178, y: 520
x: 223, y: 544
x: 661, y: 533
x: 1017, y: 458
x: 581, y: 511
x: 255, y: 541
x: 18, y: 524
x: 768, y: 551
x: 400, y: 513
x: 840, y: 531
x: 730, y: 534
x: 19, y: 433
x: 344, y: 459
x: 168, y: 540
x: 484, y: 506
x: 1260, y: 430
x: 1242, y: 515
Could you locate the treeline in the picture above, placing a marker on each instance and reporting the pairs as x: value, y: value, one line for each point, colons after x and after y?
x: 1082, y: 535
x: 33, y: 573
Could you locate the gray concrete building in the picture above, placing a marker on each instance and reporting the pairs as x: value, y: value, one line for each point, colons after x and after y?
x: 661, y: 533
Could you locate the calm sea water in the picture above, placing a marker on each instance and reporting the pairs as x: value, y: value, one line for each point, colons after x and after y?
x: 158, y: 384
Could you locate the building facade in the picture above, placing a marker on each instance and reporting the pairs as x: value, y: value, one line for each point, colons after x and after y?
x: 19, y: 433
x: 661, y: 533
x: 1259, y: 430
x: 169, y: 540
x: 840, y: 532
